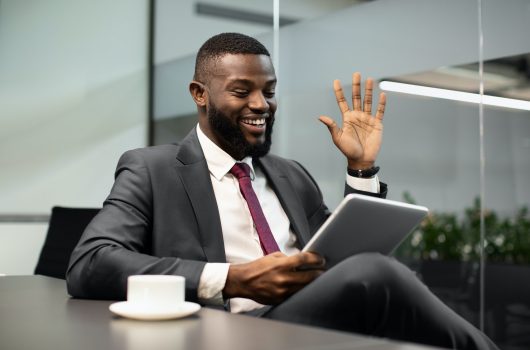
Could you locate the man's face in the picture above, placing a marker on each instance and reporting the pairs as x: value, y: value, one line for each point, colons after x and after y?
x: 241, y: 105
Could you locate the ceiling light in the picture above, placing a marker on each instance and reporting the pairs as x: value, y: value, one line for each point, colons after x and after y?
x: 454, y: 95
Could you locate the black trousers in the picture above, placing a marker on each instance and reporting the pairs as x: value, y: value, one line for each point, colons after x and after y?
x: 376, y: 295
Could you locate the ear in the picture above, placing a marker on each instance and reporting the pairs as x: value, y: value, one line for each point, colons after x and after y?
x: 198, y: 93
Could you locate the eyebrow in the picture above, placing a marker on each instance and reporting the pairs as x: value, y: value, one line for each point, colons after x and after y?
x: 249, y: 81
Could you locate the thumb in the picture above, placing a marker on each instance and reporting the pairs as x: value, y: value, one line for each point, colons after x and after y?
x: 331, y: 124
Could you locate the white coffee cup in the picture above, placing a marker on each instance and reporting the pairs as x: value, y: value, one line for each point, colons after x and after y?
x: 155, y: 291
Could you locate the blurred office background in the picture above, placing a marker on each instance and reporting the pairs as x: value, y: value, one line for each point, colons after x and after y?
x: 83, y: 81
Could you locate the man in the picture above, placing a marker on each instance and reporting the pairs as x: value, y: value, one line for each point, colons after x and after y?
x: 231, y: 218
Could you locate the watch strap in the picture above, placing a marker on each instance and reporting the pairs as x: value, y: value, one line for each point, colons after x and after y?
x: 364, y: 173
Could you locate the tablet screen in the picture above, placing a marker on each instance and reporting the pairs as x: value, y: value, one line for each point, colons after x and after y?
x: 364, y: 224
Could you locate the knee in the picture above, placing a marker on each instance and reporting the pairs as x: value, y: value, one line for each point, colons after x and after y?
x: 373, y: 268
x: 368, y: 262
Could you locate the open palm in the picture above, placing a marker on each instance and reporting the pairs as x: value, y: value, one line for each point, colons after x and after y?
x: 360, y: 136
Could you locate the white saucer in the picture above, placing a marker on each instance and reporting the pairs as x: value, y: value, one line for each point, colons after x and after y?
x: 137, y: 312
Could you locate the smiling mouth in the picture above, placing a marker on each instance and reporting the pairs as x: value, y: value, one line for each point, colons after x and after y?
x: 258, y: 122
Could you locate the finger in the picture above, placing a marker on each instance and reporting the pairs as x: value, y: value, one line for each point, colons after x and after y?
x: 381, y: 106
x: 339, y: 95
x: 308, y: 259
x: 368, y: 90
x: 356, y: 91
x: 331, y: 124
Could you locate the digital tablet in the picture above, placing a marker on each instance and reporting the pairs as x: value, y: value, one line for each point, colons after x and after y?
x: 364, y: 224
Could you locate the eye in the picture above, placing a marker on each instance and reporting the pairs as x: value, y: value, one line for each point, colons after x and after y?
x: 240, y: 92
x: 269, y: 94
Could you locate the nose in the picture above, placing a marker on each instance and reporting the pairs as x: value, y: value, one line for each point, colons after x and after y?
x: 258, y: 102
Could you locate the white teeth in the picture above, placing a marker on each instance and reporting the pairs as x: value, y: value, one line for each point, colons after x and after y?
x: 260, y: 121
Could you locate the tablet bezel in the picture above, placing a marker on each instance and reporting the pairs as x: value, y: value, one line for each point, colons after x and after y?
x: 411, y: 216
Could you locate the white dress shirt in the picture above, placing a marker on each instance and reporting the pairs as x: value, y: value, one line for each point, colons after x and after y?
x: 241, y: 241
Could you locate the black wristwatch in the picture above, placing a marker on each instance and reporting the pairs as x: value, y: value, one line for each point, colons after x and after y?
x: 364, y: 173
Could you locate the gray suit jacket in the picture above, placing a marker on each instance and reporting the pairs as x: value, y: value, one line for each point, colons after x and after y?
x: 161, y: 217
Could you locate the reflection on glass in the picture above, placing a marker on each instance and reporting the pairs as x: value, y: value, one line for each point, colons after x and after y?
x: 448, y: 243
x: 505, y: 83
x: 506, y: 202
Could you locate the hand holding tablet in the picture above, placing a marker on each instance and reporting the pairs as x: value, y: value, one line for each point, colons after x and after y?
x: 364, y: 224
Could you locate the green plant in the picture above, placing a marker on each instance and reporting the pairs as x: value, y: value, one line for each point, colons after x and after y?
x: 449, y: 236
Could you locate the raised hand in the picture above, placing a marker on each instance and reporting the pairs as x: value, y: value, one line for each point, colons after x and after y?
x: 360, y: 136
x: 273, y: 278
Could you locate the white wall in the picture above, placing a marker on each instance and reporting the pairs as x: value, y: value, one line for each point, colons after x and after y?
x: 73, y: 97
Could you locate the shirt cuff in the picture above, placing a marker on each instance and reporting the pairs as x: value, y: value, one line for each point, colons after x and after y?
x: 361, y: 184
x: 212, y: 282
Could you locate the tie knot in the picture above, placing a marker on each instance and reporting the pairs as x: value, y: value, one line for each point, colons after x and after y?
x: 240, y: 170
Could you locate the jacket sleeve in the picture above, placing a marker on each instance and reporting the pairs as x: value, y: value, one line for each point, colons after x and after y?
x: 117, y: 243
x: 382, y: 194
x: 383, y: 190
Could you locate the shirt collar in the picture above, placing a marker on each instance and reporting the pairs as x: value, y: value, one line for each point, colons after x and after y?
x: 219, y: 162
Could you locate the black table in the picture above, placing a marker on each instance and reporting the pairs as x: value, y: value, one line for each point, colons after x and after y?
x: 37, y: 313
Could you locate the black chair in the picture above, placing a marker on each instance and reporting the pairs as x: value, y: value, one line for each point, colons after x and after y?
x: 65, y: 229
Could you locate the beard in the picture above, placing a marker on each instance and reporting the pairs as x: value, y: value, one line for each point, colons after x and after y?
x: 232, y: 138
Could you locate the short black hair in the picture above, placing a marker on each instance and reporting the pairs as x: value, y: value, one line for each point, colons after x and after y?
x: 222, y: 44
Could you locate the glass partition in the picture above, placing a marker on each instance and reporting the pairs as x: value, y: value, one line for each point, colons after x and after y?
x: 467, y: 162
x: 506, y: 286
x: 430, y: 153
x: 433, y: 152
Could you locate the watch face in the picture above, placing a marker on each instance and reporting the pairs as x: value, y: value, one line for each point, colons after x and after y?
x: 363, y: 173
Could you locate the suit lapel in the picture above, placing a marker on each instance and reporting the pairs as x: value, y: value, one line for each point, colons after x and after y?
x: 192, y: 169
x: 288, y: 198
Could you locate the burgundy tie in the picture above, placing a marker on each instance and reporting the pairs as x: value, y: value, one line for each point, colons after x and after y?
x: 242, y: 172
